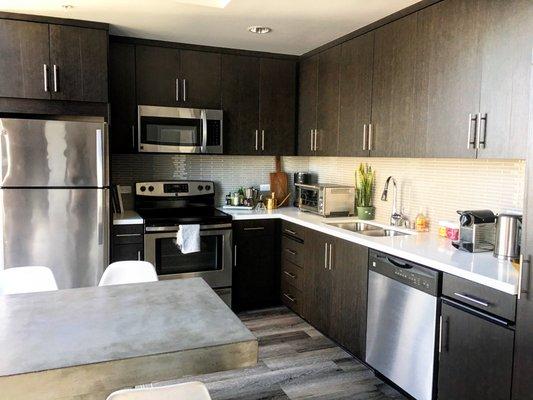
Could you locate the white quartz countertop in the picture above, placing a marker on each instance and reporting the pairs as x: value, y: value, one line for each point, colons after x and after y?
x: 128, y: 217
x: 424, y: 248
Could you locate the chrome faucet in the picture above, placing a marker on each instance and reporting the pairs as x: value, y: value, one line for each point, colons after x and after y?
x: 396, y: 218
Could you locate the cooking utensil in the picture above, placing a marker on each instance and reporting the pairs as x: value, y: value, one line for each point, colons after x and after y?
x: 279, y: 182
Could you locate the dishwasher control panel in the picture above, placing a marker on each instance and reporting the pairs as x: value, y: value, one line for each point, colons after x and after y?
x: 406, y: 272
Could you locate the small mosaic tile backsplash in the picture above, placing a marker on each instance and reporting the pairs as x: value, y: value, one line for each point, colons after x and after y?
x: 438, y: 187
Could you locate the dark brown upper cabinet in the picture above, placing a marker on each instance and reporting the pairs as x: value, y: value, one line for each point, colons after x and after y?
x: 392, y: 131
x: 355, y: 95
x: 177, y: 78
x: 123, y: 104
x: 259, y: 103
x: 277, y: 106
x: 49, y: 61
x: 24, y: 47
x: 449, y: 73
x: 506, y: 32
x: 307, y: 105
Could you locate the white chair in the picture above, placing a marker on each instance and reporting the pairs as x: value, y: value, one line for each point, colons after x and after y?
x: 122, y: 272
x: 27, y: 280
x: 182, y: 391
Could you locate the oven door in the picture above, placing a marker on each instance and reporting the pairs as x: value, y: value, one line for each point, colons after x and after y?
x: 212, y: 262
x: 309, y: 199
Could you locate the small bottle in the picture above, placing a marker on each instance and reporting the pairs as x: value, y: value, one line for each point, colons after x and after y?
x: 421, y: 222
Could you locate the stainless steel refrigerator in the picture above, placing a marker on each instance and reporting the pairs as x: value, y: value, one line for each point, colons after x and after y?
x: 54, y: 198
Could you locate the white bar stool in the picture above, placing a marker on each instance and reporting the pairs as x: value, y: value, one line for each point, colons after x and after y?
x: 182, y: 391
x: 122, y: 272
x: 27, y: 280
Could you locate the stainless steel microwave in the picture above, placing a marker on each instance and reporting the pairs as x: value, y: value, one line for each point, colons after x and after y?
x: 180, y: 130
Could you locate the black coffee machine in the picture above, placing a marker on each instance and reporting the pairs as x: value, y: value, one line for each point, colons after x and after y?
x: 477, y: 228
x: 300, y: 177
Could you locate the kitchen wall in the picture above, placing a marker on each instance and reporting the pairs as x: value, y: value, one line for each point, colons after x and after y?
x: 439, y: 186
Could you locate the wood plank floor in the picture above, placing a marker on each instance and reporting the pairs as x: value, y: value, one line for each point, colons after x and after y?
x: 295, y: 362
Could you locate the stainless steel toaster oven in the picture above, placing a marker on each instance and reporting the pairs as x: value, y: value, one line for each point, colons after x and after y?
x: 327, y: 200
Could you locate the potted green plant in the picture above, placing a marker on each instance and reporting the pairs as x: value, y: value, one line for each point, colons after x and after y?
x: 365, y: 178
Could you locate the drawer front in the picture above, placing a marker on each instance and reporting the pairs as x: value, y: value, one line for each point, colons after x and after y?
x: 479, y: 296
x: 292, y: 250
x: 262, y: 227
x: 128, y: 234
x: 292, y: 274
x: 293, y: 230
x: 291, y: 297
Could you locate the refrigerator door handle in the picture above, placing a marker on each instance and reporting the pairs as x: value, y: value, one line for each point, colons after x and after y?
x: 4, y: 145
x: 102, y: 177
x: 103, y: 226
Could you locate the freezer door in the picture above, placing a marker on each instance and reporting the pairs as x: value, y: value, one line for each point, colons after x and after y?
x: 66, y: 230
x: 49, y: 153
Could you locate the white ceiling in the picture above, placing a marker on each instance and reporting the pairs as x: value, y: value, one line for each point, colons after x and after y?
x: 297, y: 25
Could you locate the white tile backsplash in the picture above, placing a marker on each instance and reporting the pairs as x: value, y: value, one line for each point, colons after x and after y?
x: 438, y: 186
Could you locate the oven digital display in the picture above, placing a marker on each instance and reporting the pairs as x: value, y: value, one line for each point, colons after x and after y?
x: 176, y: 187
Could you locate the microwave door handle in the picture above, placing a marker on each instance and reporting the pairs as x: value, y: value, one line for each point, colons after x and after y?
x: 204, y: 132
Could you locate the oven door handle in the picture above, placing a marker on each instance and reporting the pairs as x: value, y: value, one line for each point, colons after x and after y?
x: 203, y: 116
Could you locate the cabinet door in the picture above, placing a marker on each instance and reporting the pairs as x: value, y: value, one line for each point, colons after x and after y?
x: 476, y: 359
x: 449, y: 71
x: 317, y: 281
x: 24, y: 47
x: 200, y: 79
x: 506, y: 32
x: 80, y: 58
x: 157, y: 74
x: 240, y: 102
x: 348, y: 296
x: 307, y: 103
x: 355, y: 95
x: 328, y: 101
x: 256, y: 278
x: 393, y: 88
x: 123, y: 132
x: 128, y: 252
x: 277, y: 105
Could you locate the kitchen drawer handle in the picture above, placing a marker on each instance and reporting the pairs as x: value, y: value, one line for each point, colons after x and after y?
x: 291, y: 251
x: 258, y: 228
x: 128, y: 234
x: 290, y: 232
x: 289, y: 274
x: 473, y: 300
x: 288, y: 296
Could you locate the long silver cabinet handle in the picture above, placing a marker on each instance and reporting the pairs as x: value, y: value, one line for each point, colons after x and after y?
x: 133, y: 137
x: 292, y: 276
x: 289, y: 231
x: 45, y: 77
x: 330, y: 253
x: 256, y: 140
x: 316, y: 138
x: 291, y: 299
x: 256, y: 228
x: 311, y: 132
x: 184, y: 89
x: 440, y: 334
x: 177, y: 89
x: 471, y: 141
x: 364, y: 137
x: 56, y: 83
x: 263, y: 140
x: 290, y: 251
x: 235, y: 255
x: 139, y: 255
x: 128, y: 234
x: 370, y: 145
x: 481, y: 127
x: 464, y: 296
x: 325, y: 256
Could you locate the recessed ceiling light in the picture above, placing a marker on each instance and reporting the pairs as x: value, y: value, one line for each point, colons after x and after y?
x: 67, y: 6
x: 259, y: 29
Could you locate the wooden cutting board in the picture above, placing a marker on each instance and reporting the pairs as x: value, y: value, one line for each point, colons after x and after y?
x: 279, y: 183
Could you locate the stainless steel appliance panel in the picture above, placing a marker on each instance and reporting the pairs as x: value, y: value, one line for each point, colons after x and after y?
x: 53, y: 153
x: 400, y: 340
x: 63, y: 229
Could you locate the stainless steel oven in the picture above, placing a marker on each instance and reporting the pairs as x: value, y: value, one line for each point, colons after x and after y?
x: 180, y: 130
x: 213, y: 262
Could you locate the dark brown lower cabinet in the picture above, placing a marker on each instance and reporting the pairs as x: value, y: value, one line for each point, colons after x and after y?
x: 128, y: 243
x: 476, y: 357
x: 256, y: 277
x: 335, y: 289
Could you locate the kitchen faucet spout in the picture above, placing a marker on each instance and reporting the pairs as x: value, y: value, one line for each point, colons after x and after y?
x: 396, y: 218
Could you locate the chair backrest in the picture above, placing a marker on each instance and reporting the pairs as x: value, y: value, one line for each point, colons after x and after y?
x: 27, y: 280
x: 182, y: 391
x: 122, y: 272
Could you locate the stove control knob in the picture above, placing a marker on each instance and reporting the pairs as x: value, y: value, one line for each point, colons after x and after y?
x: 207, y: 187
x: 143, y: 188
x: 150, y: 188
x: 200, y: 188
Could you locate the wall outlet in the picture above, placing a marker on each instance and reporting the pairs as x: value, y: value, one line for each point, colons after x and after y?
x: 126, y: 189
x: 264, y: 187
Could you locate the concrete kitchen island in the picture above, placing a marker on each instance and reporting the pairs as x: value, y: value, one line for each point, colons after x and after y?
x: 86, y: 343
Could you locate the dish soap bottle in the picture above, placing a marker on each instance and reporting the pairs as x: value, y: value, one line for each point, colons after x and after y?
x: 421, y: 222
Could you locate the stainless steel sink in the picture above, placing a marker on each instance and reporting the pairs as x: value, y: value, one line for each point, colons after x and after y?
x: 355, y: 226
x: 383, y: 232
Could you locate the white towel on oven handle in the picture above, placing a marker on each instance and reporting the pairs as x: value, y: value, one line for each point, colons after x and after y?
x: 188, y: 238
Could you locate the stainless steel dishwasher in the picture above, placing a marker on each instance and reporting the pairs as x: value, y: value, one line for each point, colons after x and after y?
x: 402, y: 323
